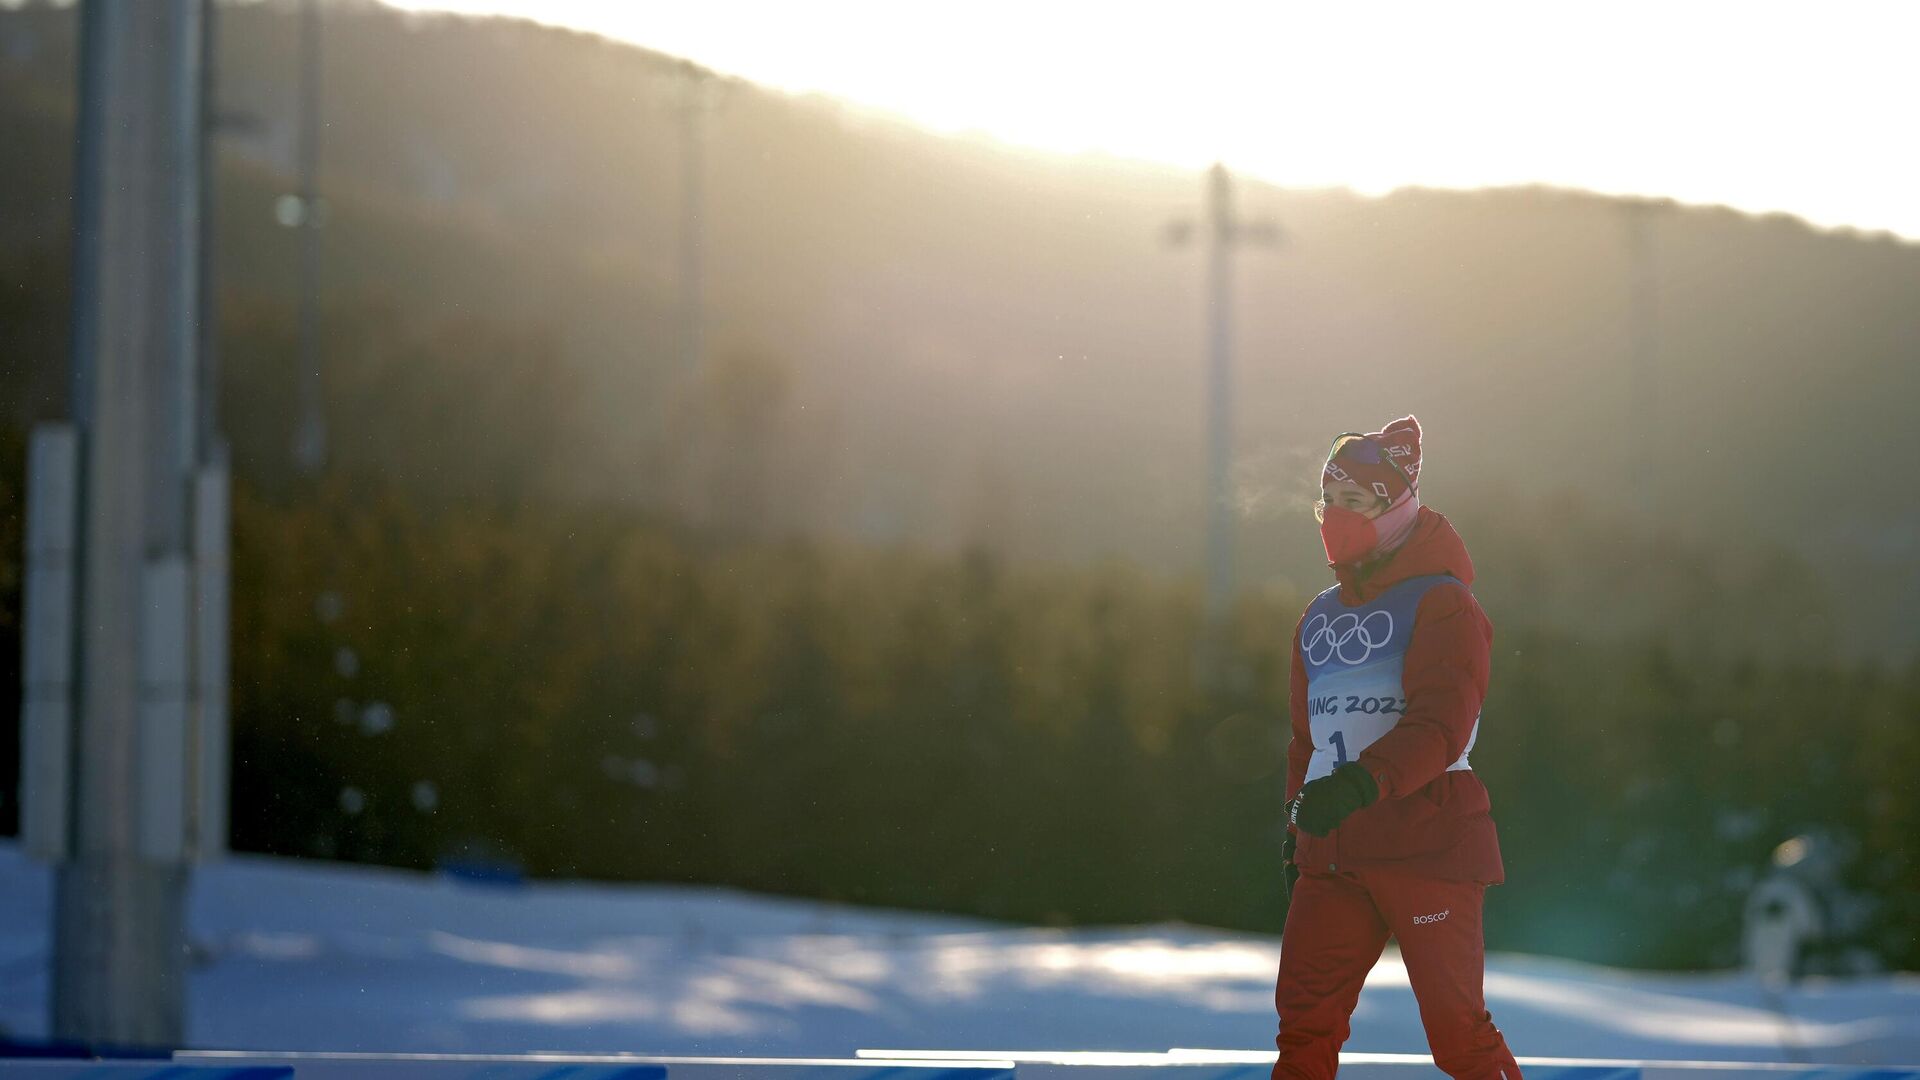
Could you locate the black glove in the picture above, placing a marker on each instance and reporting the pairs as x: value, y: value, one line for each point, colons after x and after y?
x: 1323, y: 804
x: 1289, y: 873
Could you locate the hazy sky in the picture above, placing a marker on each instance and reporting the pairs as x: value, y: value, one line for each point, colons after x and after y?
x: 1810, y: 108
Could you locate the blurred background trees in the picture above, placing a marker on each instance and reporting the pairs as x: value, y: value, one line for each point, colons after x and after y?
x: 893, y: 598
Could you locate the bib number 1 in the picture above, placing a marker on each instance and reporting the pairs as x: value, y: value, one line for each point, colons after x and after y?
x: 1338, y: 741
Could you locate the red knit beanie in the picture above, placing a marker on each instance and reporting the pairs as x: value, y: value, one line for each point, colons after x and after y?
x: 1386, y: 462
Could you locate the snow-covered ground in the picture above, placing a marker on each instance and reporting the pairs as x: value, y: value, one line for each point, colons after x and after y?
x: 311, y: 956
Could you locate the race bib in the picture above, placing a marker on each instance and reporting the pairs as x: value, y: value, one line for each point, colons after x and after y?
x: 1355, y: 658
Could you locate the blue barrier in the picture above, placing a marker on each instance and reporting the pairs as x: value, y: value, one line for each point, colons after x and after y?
x: 984, y: 1065
x: 14, y: 1049
x: 1420, y: 1067
x: 443, y: 1067
x: 600, y: 1067
x: 1188, y: 1064
x: 50, y: 1069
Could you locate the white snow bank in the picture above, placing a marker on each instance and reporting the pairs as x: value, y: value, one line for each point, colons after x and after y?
x: 317, y: 956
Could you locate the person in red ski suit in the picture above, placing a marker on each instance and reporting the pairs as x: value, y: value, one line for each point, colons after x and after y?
x: 1390, y: 832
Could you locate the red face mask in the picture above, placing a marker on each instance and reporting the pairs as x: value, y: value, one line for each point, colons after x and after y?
x: 1348, y: 534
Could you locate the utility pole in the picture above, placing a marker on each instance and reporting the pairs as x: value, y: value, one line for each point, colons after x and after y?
x: 208, y: 742
x: 126, y: 538
x: 208, y: 429
x: 310, y: 436
x: 1644, y: 354
x: 695, y: 101
x: 1222, y: 232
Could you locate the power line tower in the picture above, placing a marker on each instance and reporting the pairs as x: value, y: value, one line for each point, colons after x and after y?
x: 123, y: 694
x: 1222, y: 232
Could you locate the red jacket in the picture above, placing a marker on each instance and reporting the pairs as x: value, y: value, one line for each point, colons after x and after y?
x: 1428, y: 821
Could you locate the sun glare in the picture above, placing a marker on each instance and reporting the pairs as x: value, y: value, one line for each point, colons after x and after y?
x: 1765, y: 107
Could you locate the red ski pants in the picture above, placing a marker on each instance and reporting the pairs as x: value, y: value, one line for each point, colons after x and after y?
x: 1338, y: 925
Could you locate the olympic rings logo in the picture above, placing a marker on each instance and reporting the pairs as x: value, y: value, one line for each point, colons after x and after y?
x: 1347, y: 636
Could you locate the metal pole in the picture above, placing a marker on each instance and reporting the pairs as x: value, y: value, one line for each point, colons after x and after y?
x: 692, y: 169
x: 310, y: 438
x: 118, y: 971
x: 1223, y: 232
x: 1220, y: 239
x: 1642, y: 397
x: 209, y: 344
x: 212, y: 521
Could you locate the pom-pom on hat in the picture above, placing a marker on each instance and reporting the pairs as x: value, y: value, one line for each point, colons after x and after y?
x: 1386, y: 462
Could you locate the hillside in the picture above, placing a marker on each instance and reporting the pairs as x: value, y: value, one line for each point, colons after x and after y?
x: 948, y: 342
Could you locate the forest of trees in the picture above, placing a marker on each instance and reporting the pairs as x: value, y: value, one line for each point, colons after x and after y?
x: 434, y: 659
x: 556, y: 604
